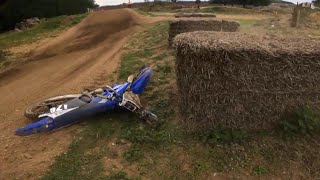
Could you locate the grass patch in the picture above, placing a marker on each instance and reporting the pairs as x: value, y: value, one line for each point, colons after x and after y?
x: 259, y: 170
x: 304, y: 121
x: 3, y: 55
x: 131, y: 62
x: 248, y: 22
x: 160, y: 56
x: 223, y: 136
x: 227, y: 10
x: 82, y: 160
x: 118, y: 176
x: 133, y: 154
x: 145, y: 13
x: 47, y: 27
x: 4, y: 58
x: 148, y: 137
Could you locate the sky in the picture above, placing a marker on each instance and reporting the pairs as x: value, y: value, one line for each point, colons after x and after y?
x: 116, y: 2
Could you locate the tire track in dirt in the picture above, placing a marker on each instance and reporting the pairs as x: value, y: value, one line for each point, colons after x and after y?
x: 67, y: 64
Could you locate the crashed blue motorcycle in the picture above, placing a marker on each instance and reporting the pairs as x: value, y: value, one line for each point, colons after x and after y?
x: 61, y: 111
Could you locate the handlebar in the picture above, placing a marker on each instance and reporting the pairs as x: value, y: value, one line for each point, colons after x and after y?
x: 112, y: 90
x: 106, y: 88
x: 102, y: 97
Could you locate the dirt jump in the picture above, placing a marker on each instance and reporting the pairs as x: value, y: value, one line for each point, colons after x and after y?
x: 84, y: 56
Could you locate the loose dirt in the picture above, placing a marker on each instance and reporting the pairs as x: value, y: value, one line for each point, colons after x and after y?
x: 83, y: 56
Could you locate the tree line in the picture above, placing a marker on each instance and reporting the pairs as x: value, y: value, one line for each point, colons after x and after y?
x: 244, y: 3
x: 14, y: 11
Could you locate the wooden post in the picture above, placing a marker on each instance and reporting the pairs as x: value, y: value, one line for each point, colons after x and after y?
x: 296, y: 16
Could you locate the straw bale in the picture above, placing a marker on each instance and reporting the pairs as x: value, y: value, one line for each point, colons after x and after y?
x: 189, y: 15
x: 234, y: 80
x: 183, y: 25
x: 230, y: 26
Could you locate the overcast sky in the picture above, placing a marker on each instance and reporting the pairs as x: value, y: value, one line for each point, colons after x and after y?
x: 115, y: 2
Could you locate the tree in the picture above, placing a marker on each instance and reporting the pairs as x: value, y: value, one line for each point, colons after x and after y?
x: 14, y: 11
x: 316, y: 2
x: 244, y: 3
x: 198, y: 3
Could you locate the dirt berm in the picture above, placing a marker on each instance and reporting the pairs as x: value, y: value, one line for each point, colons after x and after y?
x: 84, y: 56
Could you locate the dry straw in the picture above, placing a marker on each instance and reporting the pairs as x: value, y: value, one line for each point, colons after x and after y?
x: 235, y: 80
x: 189, y: 15
x: 183, y: 25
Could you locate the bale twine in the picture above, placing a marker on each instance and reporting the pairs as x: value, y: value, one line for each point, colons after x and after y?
x: 189, y: 15
x: 183, y: 25
x: 234, y: 80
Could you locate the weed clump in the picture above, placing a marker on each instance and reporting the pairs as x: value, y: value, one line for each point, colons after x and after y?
x: 260, y: 170
x: 133, y: 154
x: 3, y: 55
x: 305, y: 121
x: 147, y: 136
x: 4, y: 58
x: 223, y: 136
x: 121, y: 175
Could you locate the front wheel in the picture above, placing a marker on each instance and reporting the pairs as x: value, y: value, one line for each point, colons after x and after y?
x: 149, y: 117
x: 44, y: 106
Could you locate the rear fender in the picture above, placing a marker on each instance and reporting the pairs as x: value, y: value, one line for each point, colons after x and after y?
x: 44, y: 125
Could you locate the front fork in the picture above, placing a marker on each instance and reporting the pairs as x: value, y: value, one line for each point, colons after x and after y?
x: 131, y: 102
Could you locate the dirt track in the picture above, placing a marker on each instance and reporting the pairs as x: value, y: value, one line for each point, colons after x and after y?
x: 82, y: 56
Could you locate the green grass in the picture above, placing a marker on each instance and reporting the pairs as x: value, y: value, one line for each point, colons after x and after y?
x: 223, y: 136
x: 145, y: 13
x: 227, y: 10
x: 133, y: 154
x: 3, y: 55
x: 118, y: 176
x: 73, y: 163
x: 168, y: 151
x: 259, y: 170
x: 305, y: 121
x: 132, y: 61
x: 45, y: 28
x: 247, y: 22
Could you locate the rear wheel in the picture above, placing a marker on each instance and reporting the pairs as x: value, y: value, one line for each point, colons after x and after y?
x: 44, y: 106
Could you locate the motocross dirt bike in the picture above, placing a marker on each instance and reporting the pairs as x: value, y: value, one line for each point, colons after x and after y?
x: 62, y: 111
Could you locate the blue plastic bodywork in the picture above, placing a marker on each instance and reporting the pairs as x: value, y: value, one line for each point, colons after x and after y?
x: 95, y: 106
x: 140, y: 83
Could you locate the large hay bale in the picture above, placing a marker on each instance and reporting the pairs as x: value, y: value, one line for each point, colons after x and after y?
x: 183, y: 25
x: 190, y: 15
x: 235, y: 80
x: 230, y: 26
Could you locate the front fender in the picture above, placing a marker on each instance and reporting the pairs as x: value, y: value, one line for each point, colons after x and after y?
x: 141, y: 81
